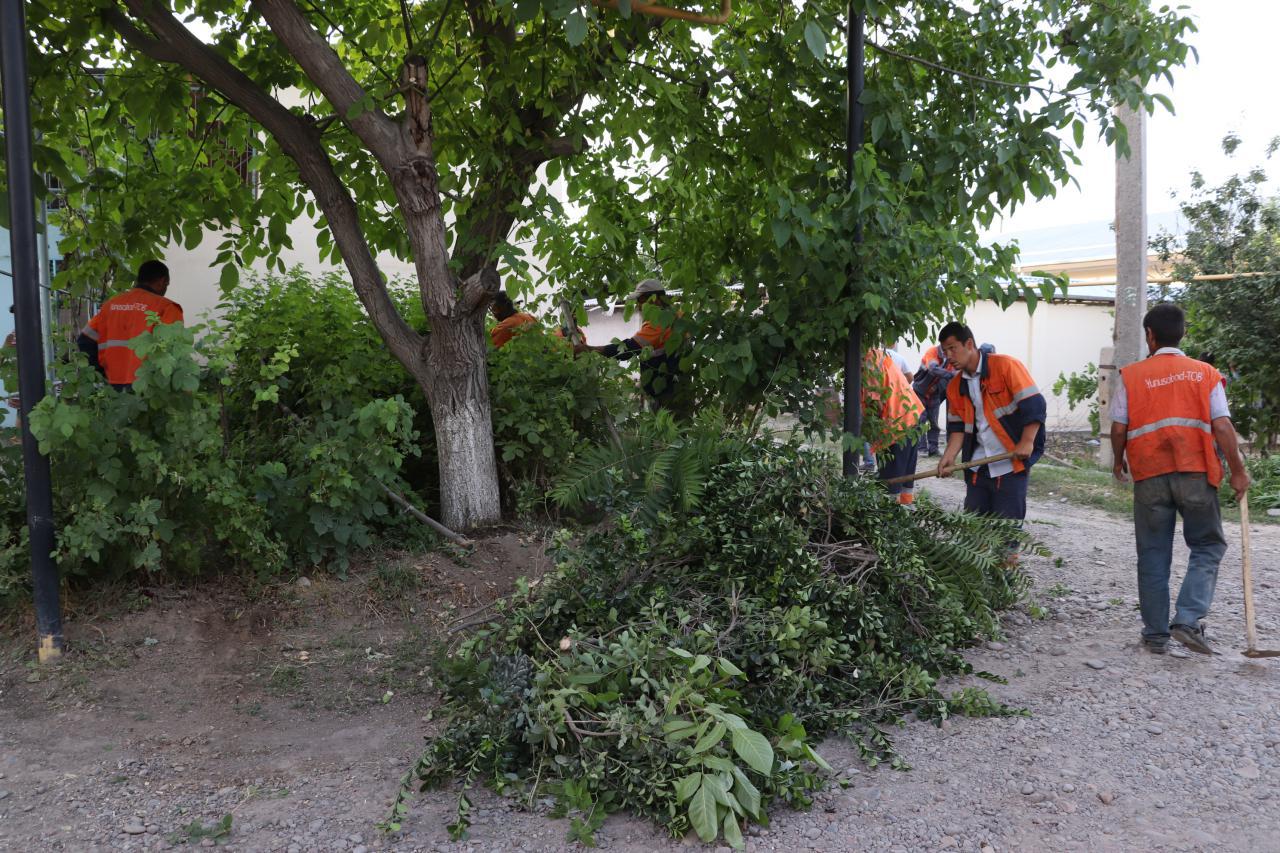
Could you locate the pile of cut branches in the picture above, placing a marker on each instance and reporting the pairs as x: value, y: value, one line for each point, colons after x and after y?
x: 683, y: 665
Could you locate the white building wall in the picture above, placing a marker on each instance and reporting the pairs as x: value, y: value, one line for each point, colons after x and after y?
x: 1059, y: 338
x: 194, y: 281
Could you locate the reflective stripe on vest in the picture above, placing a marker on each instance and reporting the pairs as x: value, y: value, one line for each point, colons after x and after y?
x: 1194, y: 423
x: 1170, y: 426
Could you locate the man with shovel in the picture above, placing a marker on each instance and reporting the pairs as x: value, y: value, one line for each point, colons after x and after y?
x: 1167, y: 412
x: 994, y: 411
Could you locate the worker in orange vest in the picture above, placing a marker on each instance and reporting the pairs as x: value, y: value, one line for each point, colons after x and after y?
x: 659, y: 365
x: 509, y: 319
x: 993, y: 407
x: 107, y: 340
x: 887, y: 394
x: 1167, y: 412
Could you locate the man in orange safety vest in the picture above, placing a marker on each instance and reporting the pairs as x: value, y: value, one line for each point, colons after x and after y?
x: 1167, y: 412
x: 510, y: 320
x: 108, y: 339
x: 888, y: 396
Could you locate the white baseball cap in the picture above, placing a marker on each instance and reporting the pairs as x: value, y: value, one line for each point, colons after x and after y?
x: 649, y: 285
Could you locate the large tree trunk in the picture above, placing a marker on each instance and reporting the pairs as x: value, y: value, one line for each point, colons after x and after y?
x: 457, y: 387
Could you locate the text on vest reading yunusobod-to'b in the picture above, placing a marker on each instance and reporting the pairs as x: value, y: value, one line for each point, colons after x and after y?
x: 1184, y: 376
x: 130, y: 306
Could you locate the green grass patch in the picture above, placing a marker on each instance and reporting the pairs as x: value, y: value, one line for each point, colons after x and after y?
x: 1096, y: 487
x: 1085, y: 486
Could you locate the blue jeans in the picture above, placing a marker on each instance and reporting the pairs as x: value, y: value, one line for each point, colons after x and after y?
x: 1156, y: 503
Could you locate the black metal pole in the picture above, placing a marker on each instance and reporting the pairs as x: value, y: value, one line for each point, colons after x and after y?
x: 27, y: 324
x: 853, y: 141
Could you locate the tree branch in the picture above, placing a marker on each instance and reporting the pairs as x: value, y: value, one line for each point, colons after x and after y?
x: 560, y: 146
x: 478, y: 290
x: 172, y: 43
x: 330, y: 75
x: 977, y: 78
x: 492, y: 211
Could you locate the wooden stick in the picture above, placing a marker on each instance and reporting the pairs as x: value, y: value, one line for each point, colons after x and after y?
x: 972, y: 463
x: 1250, y: 629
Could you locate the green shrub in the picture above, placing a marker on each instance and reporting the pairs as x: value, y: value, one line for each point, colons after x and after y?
x: 1265, y: 492
x: 199, y: 467
x: 547, y: 406
x: 682, y: 666
x: 1082, y: 388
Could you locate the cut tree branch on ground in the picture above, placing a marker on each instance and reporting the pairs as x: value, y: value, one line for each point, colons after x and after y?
x: 402, y: 501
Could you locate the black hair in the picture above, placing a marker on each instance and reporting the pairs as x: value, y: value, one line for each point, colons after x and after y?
x: 152, y: 271
x: 956, y: 329
x: 503, y: 301
x: 1167, y: 324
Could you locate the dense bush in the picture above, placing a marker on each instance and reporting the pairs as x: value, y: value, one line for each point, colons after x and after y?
x: 161, y: 478
x: 548, y: 405
x: 263, y: 445
x: 683, y: 665
x: 1232, y: 228
x: 264, y: 440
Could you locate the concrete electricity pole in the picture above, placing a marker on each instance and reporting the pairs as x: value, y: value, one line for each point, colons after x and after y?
x: 1131, y: 264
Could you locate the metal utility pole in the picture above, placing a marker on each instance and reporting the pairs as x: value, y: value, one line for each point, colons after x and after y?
x: 27, y: 323
x: 853, y: 141
x: 1131, y: 262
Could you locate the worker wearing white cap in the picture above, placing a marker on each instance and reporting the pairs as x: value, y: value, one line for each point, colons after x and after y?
x: 659, y: 369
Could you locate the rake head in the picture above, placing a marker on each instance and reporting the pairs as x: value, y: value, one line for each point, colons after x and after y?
x: 1261, y: 653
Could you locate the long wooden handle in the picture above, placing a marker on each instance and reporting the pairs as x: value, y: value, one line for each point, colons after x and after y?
x: 972, y: 463
x: 1250, y: 630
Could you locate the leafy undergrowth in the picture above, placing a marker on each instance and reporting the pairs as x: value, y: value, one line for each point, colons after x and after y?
x: 683, y: 665
x: 1265, y: 491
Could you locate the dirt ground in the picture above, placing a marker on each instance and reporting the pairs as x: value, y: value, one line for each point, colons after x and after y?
x: 295, y: 708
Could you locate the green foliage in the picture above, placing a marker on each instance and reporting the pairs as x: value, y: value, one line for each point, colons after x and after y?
x: 655, y: 467
x: 1265, y: 473
x: 1232, y: 228
x: 1082, y: 388
x: 547, y: 405
x: 757, y: 229
x: 196, y: 832
x: 683, y: 666
x: 308, y: 338
x: 157, y: 479
x: 141, y: 479
x: 247, y: 448
x: 14, y: 546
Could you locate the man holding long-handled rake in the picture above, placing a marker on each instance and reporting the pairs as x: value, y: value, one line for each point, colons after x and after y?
x: 994, y: 412
x: 1167, y: 412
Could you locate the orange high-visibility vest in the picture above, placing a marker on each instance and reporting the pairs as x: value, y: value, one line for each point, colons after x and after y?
x: 891, y: 393
x: 506, y: 329
x: 121, y: 319
x: 1007, y: 387
x: 1170, y: 428
x: 933, y: 355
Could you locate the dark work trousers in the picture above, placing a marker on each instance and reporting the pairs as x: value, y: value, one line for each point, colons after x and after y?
x: 929, y: 441
x: 898, y: 461
x: 1003, y: 497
